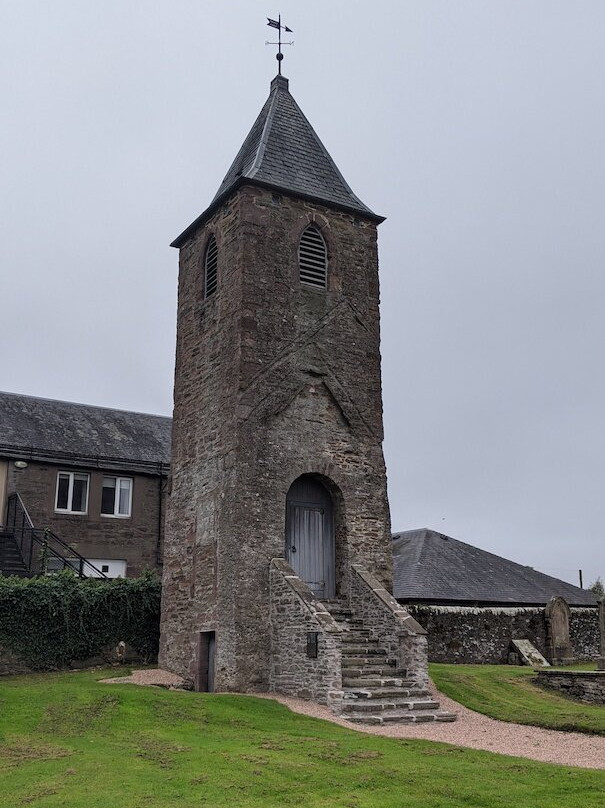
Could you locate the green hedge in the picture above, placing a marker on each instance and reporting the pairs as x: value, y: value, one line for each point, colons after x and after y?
x: 51, y: 621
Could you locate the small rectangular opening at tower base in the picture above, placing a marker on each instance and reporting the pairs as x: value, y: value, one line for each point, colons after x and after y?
x: 312, y: 644
x: 204, y: 679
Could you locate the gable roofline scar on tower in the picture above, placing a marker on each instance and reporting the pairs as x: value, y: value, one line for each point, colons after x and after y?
x: 283, y: 153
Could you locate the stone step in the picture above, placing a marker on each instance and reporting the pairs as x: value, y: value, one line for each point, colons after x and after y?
x: 360, y: 666
x: 367, y: 682
x: 443, y: 715
x: 400, y: 717
x: 387, y: 705
x: 386, y: 692
x: 357, y: 635
x: 370, y: 660
x: 363, y: 650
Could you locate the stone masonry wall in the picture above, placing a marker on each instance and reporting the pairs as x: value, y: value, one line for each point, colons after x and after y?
x: 399, y: 634
x: 588, y: 686
x: 584, y: 632
x: 478, y: 635
x: 267, y: 388
x: 136, y: 539
x: 294, y: 613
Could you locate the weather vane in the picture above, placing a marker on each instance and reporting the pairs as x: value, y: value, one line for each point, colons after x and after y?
x: 277, y: 24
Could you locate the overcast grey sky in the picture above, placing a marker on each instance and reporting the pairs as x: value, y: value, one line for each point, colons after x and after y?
x: 477, y: 127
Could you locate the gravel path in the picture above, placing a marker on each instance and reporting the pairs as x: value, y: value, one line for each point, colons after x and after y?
x: 471, y: 729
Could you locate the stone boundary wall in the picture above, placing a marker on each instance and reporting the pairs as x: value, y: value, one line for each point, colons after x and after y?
x: 584, y: 632
x: 401, y: 636
x: 295, y: 612
x: 482, y: 635
x: 11, y: 664
x: 586, y: 686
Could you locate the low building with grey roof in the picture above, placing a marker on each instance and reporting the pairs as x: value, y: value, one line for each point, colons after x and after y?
x: 93, y: 477
x: 474, y: 603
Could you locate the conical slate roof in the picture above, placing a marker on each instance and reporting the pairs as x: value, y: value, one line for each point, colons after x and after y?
x: 431, y: 567
x: 283, y: 152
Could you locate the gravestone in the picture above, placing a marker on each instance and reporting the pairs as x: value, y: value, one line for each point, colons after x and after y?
x: 529, y: 654
x: 557, y: 631
x: 601, y: 660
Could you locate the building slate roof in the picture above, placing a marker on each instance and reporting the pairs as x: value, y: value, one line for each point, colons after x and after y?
x: 40, y: 428
x: 282, y: 151
x: 431, y: 567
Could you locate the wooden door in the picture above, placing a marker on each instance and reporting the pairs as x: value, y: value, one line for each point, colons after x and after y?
x: 204, y: 679
x: 310, y: 535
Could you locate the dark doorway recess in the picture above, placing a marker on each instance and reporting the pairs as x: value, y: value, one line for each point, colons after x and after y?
x: 204, y: 680
x: 310, y: 535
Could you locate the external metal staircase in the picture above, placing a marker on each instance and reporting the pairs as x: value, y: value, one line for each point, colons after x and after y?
x: 27, y: 551
x: 374, y: 690
x: 11, y: 560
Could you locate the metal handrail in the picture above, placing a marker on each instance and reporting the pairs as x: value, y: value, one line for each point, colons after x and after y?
x: 27, y: 536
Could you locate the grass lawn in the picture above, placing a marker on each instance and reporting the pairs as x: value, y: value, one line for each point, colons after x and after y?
x: 508, y: 693
x: 67, y: 740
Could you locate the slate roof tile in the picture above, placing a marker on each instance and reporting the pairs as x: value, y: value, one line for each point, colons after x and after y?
x: 283, y: 151
x: 44, y: 427
x: 431, y: 567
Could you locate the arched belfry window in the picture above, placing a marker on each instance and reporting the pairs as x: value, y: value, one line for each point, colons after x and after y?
x: 313, y: 258
x: 210, y: 267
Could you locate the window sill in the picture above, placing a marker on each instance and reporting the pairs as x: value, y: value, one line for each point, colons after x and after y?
x: 71, y: 513
x: 116, y: 516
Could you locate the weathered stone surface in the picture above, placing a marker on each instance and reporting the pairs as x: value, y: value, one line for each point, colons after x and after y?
x: 273, y: 380
x: 294, y: 611
x: 558, y: 646
x: 529, y: 653
x: 403, y: 639
x: 482, y: 634
x: 588, y: 686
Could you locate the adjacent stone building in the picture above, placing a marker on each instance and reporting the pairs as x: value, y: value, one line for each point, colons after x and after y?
x: 474, y: 603
x: 278, y: 548
x: 92, y: 477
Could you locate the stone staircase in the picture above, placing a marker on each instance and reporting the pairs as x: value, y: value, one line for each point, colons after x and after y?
x: 374, y: 691
x: 11, y: 561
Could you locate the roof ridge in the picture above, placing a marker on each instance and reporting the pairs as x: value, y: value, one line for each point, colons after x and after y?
x: 80, y: 404
x: 262, y: 144
x: 426, y: 568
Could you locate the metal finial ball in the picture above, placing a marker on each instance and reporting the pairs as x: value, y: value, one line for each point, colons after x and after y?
x: 279, y: 57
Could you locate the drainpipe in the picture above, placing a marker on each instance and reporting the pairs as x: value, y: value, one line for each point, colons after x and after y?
x: 158, y: 547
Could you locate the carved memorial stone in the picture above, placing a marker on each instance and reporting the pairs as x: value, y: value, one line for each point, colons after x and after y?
x: 557, y: 626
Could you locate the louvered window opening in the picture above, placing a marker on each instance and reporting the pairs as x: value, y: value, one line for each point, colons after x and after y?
x: 313, y: 258
x: 210, y: 268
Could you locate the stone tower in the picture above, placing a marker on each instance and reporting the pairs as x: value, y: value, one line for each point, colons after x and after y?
x: 278, y: 524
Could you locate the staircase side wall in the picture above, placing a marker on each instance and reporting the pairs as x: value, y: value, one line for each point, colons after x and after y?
x: 398, y: 633
x: 294, y: 614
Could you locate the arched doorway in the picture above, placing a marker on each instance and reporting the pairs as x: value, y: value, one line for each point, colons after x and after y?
x: 310, y: 535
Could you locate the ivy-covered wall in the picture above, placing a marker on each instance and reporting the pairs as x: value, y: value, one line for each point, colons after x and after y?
x: 54, y: 621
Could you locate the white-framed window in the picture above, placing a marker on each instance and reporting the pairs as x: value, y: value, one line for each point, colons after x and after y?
x: 72, y: 492
x: 116, y: 497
